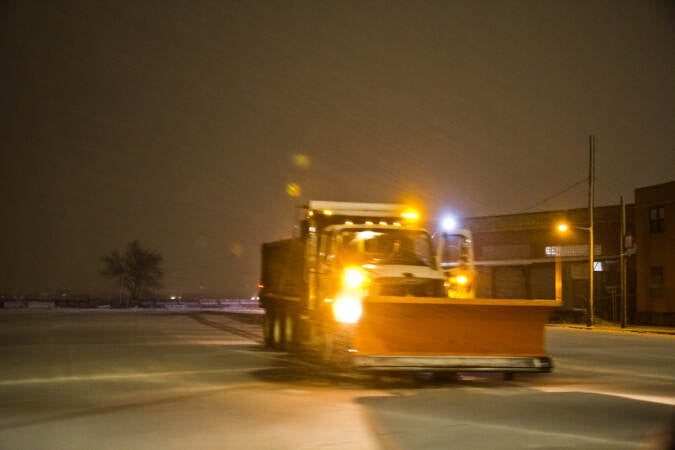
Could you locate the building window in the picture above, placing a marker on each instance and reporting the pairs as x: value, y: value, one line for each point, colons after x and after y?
x: 656, y: 281
x: 657, y: 218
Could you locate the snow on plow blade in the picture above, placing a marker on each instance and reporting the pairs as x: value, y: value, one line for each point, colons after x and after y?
x: 407, y: 333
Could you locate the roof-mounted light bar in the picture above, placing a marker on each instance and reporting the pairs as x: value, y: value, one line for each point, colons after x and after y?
x: 355, y: 209
x: 370, y: 210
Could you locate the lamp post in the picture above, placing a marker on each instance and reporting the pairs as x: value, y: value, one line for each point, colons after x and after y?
x: 563, y: 227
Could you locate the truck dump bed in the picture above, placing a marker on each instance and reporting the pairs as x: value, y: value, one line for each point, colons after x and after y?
x: 283, y: 264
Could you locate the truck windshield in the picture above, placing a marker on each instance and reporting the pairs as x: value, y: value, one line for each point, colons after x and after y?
x: 386, y: 246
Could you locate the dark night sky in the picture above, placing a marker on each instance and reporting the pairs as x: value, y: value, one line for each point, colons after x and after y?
x: 177, y: 122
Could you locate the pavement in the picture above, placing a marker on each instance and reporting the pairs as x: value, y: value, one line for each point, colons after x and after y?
x: 614, y: 327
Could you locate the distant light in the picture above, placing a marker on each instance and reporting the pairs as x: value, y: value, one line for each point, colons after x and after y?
x: 369, y: 222
x: 237, y: 249
x: 449, y: 224
x: 563, y: 227
x: 301, y: 160
x: 383, y: 222
x: 349, y: 222
x: 328, y: 212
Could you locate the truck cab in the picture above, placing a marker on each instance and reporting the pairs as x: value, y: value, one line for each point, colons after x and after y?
x: 345, y: 252
x: 359, y: 260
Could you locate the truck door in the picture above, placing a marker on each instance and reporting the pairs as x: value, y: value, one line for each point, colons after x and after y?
x: 327, y: 266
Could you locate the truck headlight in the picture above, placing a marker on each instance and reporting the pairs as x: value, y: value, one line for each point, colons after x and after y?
x: 347, y: 309
x: 460, y: 285
x: 461, y: 279
x: 347, y: 306
x: 354, y: 278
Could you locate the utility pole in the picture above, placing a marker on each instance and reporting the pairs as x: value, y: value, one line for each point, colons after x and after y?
x: 622, y: 267
x: 591, y: 206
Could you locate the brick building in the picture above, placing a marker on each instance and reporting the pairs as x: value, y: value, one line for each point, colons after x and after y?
x: 516, y: 257
x: 655, y: 239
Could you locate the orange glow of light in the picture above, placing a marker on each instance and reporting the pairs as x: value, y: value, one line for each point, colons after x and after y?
x: 411, y: 215
x: 301, y: 160
x: 237, y: 249
x: 354, y: 278
x: 347, y: 309
x: 563, y: 227
x: 293, y: 189
x: 462, y: 279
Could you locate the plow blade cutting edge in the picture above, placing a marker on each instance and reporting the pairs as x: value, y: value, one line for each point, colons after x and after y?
x: 406, y: 333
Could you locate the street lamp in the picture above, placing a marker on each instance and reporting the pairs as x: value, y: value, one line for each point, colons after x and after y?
x: 563, y: 227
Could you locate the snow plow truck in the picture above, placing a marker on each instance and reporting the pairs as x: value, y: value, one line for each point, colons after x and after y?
x: 363, y: 287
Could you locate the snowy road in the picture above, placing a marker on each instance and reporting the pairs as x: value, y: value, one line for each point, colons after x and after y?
x: 170, y: 380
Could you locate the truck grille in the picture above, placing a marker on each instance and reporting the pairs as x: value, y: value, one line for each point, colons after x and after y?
x: 401, y: 287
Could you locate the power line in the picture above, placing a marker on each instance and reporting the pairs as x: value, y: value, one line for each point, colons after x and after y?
x: 607, y: 187
x: 583, y: 180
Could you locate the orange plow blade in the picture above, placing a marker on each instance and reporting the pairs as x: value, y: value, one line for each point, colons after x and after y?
x: 405, y: 333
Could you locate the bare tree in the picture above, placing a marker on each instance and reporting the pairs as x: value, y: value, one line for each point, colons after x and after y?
x: 138, y: 270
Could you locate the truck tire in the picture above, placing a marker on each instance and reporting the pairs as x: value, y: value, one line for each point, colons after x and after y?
x: 288, y: 330
x: 326, y: 349
x: 268, y: 328
x: 277, y: 330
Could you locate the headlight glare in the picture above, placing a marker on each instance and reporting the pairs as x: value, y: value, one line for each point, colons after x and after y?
x: 347, y: 309
x: 462, y: 279
x: 354, y: 278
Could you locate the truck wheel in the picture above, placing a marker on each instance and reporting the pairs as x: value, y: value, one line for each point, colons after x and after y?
x: 277, y: 330
x: 268, y: 329
x: 288, y: 330
x: 327, y: 348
